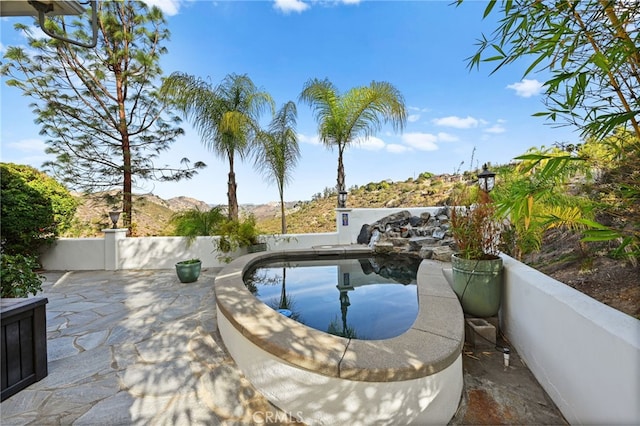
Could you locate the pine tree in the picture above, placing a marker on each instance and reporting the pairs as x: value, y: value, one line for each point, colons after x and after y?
x: 98, y: 107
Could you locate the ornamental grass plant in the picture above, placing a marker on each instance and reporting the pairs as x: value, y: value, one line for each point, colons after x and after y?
x: 476, y: 228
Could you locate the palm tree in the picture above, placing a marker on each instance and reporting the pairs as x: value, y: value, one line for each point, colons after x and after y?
x: 225, y: 116
x: 278, y: 152
x: 359, y: 113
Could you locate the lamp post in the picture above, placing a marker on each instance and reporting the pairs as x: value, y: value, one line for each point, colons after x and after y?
x: 486, y: 179
x: 114, y: 216
x: 342, y: 199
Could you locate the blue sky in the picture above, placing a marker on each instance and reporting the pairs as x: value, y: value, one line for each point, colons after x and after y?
x: 418, y: 46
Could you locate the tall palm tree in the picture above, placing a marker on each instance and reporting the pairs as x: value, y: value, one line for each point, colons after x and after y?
x: 226, y: 117
x: 278, y: 153
x: 360, y: 112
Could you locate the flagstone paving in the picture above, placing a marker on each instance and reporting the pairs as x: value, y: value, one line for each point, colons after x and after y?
x: 134, y: 347
x: 141, y: 348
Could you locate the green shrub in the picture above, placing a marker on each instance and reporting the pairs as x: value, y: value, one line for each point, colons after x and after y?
x: 35, y: 209
x: 235, y: 234
x: 18, y: 277
x: 195, y: 222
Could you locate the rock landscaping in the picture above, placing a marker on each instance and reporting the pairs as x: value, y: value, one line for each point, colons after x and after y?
x: 426, y: 236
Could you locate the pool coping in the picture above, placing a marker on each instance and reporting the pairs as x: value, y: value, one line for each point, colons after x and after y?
x: 432, y: 344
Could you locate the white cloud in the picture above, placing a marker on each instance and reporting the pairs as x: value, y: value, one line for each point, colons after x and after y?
x: 395, y: 148
x: 495, y: 129
x: 299, y: 6
x: 447, y: 137
x: 288, y: 6
x: 28, y: 145
x: 457, y: 122
x: 412, y: 118
x: 421, y: 141
x: 371, y: 143
x: 418, y: 109
x: 168, y: 7
x: 526, y: 88
x: 312, y: 140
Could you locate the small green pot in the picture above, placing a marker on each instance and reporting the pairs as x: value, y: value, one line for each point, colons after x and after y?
x: 478, y: 285
x: 188, y: 272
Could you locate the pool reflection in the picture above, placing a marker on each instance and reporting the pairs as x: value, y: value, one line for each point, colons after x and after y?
x: 363, y: 298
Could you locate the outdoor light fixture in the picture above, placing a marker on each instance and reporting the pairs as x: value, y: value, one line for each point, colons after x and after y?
x: 486, y: 179
x: 45, y: 8
x: 342, y: 199
x: 114, y: 216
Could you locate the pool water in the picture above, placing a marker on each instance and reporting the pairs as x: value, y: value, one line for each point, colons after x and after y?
x: 363, y: 298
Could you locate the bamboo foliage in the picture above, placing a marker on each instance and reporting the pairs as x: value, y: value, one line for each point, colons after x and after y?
x: 590, y: 48
x: 533, y: 198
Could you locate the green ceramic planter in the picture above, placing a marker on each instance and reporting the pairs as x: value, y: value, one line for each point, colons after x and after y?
x: 188, y: 272
x: 478, y: 284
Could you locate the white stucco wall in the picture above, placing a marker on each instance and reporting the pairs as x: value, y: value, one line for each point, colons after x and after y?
x: 156, y: 252
x: 74, y: 254
x: 316, y: 399
x: 585, y: 354
x: 297, y: 241
x: 164, y: 252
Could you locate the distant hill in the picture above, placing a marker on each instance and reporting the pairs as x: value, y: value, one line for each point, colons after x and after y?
x: 151, y: 214
x: 318, y: 215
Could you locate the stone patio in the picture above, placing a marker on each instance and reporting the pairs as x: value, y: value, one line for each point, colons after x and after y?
x: 139, y: 347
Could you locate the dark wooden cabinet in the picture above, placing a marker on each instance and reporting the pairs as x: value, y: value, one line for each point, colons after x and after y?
x: 24, y: 343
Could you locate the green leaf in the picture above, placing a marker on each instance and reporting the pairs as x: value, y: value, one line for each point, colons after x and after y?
x: 593, y: 235
x: 489, y: 8
x: 600, y: 61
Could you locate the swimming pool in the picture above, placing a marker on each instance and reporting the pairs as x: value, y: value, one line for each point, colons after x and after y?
x: 368, y: 298
x: 324, y: 379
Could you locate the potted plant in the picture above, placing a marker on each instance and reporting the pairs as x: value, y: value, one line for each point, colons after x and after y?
x: 23, y: 322
x: 19, y: 276
x: 188, y: 270
x: 477, y: 266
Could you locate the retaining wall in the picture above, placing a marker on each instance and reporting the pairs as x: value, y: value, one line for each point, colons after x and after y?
x: 115, y: 251
x: 585, y: 354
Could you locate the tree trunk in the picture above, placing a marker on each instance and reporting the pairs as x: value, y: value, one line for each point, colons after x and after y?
x: 127, y: 203
x: 284, y: 219
x: 340, y: 185
x: 232, y: 187
x: 126, y: 155
x: 232, y: 197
